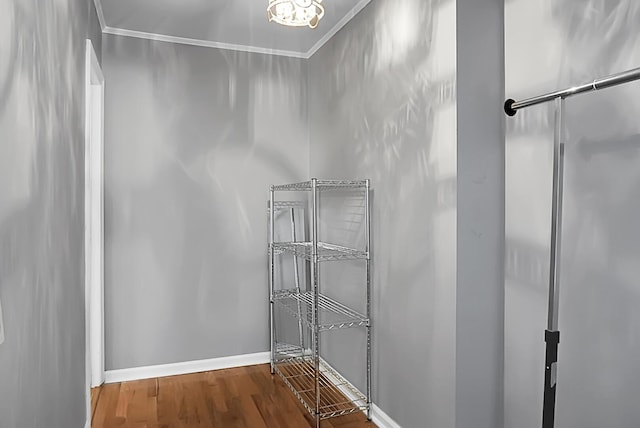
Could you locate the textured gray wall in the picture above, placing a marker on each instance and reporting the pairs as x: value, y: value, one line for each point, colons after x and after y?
x: 194, y: 136
x: 382, y: 106
x: 94, y: 31
x: 551, y: 45
x: 480, y: 256
x: 42, y: 50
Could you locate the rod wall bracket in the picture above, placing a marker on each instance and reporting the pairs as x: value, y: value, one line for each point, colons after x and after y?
x: 508, y: 109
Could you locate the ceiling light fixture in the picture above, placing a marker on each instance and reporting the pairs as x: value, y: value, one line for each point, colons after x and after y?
x: 296, y: 13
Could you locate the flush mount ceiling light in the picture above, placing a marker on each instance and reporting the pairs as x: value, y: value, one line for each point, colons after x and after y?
x: 296, y: 13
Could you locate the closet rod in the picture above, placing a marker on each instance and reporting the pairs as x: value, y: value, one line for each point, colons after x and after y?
x: 511, y: 106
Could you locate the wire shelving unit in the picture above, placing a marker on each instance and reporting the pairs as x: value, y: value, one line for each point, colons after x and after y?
x: 320, y: 389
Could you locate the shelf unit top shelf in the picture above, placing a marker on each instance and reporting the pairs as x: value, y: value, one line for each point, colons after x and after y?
x: 326, y: 251
x: 322, y: 185
x: 281, y: 205
x: 332, y: 314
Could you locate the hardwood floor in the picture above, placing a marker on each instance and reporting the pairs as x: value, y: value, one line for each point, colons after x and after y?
x: 244, y: 397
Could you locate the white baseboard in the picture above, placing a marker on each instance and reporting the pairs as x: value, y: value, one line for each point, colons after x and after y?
x: 163, y: 370
x: 381, y: 419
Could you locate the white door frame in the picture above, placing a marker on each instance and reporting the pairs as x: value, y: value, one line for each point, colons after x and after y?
x: 94, y: 223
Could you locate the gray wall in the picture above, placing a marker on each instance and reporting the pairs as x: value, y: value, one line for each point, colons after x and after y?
x: 551, y: 45
x: 42, y: 361
x: 382, y: 106
x: 194, y: 136
x: 480, y: 221
x: 94, y: 30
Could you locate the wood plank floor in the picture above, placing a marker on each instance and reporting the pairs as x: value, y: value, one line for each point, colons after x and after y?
x: 244, y: 397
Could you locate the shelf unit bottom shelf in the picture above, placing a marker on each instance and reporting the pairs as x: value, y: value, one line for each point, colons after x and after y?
x: 338, y: 396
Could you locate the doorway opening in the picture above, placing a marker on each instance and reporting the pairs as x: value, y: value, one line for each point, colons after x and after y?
x: 94, y: 224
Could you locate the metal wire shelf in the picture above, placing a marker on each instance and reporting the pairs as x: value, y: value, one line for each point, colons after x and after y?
x: 286, y: 351
x: 326, y: 252
x: 322, y: 391
x: 280, y: 205
x: 337, y: 395
x: 331, y: 314
x: 323, y: 185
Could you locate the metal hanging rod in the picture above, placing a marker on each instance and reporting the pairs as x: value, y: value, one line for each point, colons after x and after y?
x: 552, y: 333
x: 511, y: 106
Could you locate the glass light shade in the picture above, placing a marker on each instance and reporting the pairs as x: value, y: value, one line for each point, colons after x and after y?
x: 296, y: 13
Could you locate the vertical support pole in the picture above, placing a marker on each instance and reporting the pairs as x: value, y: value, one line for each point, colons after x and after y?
x: 552, y: 335
x: 272, y: 324
x: 297, y: 280
x: 316, y: 292
x: 367, y: 231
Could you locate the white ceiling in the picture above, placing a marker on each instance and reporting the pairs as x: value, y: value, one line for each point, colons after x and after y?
x: 231, y: 24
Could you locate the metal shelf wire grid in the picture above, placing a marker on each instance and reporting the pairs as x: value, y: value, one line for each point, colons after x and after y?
x: 323, y: 185
x: 332, y: 315
x: 299, y: 375
x: 326, y: 252
x: 287, y: 351
x: 321, y: 390
x: 281, y: 205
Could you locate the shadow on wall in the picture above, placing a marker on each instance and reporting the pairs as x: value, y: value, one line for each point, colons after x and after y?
x: 601, y: 289
x: 387, y: 112
x: 194, y: 138
x: 41, y: 212
x: 599, y: 350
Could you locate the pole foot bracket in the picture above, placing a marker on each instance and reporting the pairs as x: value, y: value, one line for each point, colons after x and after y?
x: 550, y: 378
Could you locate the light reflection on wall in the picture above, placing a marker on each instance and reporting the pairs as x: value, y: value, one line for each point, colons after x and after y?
x: 42, y: 46
x: 387, y: 112
x: 399, y: 28
x: 194, y: 138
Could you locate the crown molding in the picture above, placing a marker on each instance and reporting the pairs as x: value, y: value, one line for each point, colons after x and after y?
x: 200, y: 42
x: 229, y: 46
x: 345, y: 19
x: 98, y: 6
